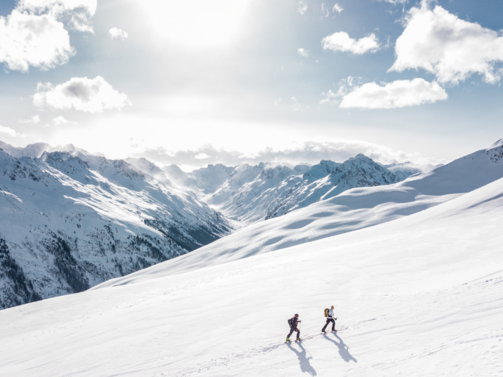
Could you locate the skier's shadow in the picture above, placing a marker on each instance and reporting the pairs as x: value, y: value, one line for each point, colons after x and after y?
x: 343, y: 348
x: 305, y: 366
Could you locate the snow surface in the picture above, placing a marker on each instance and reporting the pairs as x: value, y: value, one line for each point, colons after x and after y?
x: 419, y: 296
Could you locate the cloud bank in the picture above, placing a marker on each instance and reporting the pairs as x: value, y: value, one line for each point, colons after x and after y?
x: 82, y: 94
x: 400, y: 93
x: 341, y: 41
x: 452, y: 49
x: 306, y: 153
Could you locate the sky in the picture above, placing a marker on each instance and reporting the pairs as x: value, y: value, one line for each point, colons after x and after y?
x: 206, y: 81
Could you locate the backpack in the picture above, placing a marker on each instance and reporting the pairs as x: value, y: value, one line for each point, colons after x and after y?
x: 290, y: 322
x: 326, y: 312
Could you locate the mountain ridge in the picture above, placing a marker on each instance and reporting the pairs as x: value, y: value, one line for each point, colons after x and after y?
x: 70, y: 219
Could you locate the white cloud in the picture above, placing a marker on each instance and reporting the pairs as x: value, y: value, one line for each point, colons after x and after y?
x: 202, y: 156
x: 337, y: 8
x: 34, y: 33
x: 342, y: 42
x: 401, y: 93
x: 330, y: 97
x: 395, y: 1
x: 117, y: 33
x: 325, y: 11
x: 447, y: 46
x: 345, y: 87
x: 76, y: 14
x: 303, y: 53
x: 35, y: 119
x: 80, y: 93
x: 8, y: 131
x: 302, y: 8
x: 61, y: 121
x: 30, y: 40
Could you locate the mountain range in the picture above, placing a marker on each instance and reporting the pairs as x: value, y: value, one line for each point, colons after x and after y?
x: 70, y: 220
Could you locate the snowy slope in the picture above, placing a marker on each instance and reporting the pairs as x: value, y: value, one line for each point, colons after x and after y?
x: 70, y: 220
x: 353, y: 209
x: 419, y: 296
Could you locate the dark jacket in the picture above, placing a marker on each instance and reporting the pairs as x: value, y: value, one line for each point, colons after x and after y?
x: 294, y: 322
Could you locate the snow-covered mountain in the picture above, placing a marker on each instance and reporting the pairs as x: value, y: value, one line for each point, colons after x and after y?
x: 352, y: 210
x: 248, y: 194
x: 418, y: 296
x: 70, y: 220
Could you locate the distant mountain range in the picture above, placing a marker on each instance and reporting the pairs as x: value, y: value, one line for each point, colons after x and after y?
x: 70, y: 220
x: 248, y: 194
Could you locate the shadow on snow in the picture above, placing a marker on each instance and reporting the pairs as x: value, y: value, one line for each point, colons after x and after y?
x: 343, y: 348
x: 305, y: 366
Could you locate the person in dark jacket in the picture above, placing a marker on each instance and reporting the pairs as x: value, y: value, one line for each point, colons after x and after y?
x: 293, y: 327
x: 330, y: 318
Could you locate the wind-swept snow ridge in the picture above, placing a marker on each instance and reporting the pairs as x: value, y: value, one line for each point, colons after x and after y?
x: 70, y: 220
x: 419, y: 296
x: 349, y: 211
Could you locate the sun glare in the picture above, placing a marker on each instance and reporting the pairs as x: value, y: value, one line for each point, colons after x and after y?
x: 196, y: 23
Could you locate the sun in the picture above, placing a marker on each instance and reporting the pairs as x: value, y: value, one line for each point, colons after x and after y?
x: 196, y: 23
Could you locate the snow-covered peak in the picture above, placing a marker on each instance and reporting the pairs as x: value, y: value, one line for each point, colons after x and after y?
x: 145, y: 166
x: 31, y: 150
x: 497, y: 144
x: 277, y: 173
x: 301, y: 169
x: 359, y: 160
x: 324, y: 168
x: 210, y: 178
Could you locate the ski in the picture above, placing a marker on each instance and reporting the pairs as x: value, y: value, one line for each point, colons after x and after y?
x: 315, y: 335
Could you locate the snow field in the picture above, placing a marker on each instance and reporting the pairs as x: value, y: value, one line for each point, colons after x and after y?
x: 420, y: 295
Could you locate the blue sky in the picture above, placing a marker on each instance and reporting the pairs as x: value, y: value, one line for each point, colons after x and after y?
x: 231, y: 81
